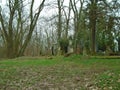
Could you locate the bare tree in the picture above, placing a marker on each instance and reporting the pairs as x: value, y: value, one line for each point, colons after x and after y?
x: 15, y: 43
x: 77, y: 17
x: 67, y: 13
x: 60, y: 5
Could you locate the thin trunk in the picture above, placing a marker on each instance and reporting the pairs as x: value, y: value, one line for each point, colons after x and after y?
x: 32, y: 26
x: 59, y: 19
x: 77, y: 17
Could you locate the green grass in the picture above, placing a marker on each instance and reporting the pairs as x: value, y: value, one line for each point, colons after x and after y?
x: 60, y: 73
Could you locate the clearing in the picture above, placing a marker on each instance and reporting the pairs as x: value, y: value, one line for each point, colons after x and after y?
x: 60, y: 73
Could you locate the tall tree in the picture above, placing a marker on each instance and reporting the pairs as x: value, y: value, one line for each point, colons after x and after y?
x: 16, y: 37
x: 77, y: 19
x: 59, y: 25
x: 93, y: 20
x: 67, y: 13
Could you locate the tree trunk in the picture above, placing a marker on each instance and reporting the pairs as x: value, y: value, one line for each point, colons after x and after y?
x: 93, y: 18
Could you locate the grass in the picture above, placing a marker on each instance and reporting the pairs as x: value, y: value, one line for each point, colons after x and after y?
x: 60, y: 73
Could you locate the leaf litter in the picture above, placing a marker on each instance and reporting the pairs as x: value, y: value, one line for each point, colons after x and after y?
x: 55, y: 77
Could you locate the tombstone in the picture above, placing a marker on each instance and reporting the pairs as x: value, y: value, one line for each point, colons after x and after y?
x: 85, y: 52
x: 54, y: 49
x: 116, y: 46
x: 70, y: 47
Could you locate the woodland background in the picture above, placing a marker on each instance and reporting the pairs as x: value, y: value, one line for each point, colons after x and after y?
x: 53, y: 27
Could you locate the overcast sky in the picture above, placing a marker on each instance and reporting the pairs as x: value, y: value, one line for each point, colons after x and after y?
x: 48, y: 10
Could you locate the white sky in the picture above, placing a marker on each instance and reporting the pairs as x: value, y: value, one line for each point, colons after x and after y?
x: 47, y: 10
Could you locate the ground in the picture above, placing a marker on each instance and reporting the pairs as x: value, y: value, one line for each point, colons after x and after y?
x: 60, y: 73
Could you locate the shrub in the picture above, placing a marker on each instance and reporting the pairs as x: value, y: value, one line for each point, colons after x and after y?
x: 64, y: 45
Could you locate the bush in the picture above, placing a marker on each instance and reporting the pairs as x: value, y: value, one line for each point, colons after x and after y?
x: 64, y: 45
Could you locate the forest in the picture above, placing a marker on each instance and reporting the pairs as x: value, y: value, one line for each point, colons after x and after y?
x: 29, y: 28
x: 59, y: 44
